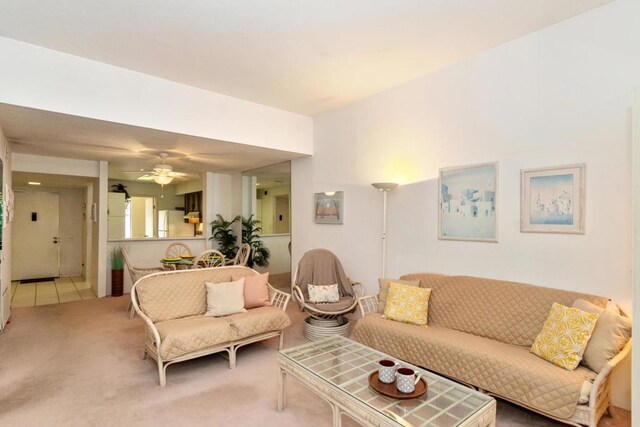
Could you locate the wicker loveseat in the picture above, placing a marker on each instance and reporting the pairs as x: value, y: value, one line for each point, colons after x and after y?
x: 479, y: 332
x: 173, y: 305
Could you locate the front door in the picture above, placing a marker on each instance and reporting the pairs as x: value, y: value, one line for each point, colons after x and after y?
x: 36, y: 227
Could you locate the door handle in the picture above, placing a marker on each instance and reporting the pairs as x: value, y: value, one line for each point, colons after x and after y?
x: 55, y: 240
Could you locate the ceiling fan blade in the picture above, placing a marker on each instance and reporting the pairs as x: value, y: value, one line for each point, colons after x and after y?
x: 143, y: 171
x: 146, y: 177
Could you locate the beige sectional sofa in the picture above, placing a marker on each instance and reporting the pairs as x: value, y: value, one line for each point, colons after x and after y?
x: 173, y: 305
x: 479, y: 332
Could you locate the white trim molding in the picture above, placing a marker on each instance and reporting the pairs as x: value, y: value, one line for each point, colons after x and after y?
x: 635, y: 289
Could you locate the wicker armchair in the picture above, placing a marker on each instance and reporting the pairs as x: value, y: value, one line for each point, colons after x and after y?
x: 322, y: 267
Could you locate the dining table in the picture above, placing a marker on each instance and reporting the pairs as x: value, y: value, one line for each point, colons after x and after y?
x: 182, y: 263
x: 177, y: 263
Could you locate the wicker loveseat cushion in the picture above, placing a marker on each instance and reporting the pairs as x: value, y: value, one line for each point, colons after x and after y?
x: 187, y: 334
x: 508, y: 370
x: 258, y: 321
x: 193, y: 333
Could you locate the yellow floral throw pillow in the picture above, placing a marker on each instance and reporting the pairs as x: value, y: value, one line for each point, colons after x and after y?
x: 408, y: 304
x: 564, y: 336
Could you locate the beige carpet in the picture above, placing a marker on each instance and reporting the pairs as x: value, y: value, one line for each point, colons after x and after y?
x: 79, y: 363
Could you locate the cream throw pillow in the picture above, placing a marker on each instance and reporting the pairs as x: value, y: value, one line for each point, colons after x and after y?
x: 323, y: 293
x: 564, y: 336
x: 611, y: 333
x: 225, y: 298
x: 384, y: 289
x: 408, y: 304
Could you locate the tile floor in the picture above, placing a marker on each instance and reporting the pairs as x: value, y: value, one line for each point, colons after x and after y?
x: 63, y: 289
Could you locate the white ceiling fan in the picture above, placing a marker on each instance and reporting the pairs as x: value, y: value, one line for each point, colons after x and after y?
x: 162, y: 173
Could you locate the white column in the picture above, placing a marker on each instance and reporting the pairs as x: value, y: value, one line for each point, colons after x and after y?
x: 103, y: 197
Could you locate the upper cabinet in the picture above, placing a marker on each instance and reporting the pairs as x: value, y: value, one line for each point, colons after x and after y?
x: 193, y: 202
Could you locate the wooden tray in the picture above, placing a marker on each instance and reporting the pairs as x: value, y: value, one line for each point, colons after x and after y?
x: 390, y: 390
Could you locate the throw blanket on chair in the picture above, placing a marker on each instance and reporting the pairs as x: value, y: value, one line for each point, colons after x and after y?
x: 322, y: 267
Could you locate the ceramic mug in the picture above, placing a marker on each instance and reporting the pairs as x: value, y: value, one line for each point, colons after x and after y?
x: 387, y: 371
x: 406, y: 380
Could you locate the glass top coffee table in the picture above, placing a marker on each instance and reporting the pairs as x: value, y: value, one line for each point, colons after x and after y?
x: 337, y: 369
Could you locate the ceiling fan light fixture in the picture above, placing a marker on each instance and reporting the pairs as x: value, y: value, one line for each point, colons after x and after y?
x: 162, y: 179
x: 162, y: 168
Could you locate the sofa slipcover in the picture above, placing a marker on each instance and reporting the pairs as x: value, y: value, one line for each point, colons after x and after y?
x: 479, y: 332
x: 173, y: 304
x: 488, y: 364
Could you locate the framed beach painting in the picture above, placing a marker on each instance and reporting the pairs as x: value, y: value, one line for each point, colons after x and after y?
x: 329, y: 207
x: 468, y: 201
x: 553, y: 200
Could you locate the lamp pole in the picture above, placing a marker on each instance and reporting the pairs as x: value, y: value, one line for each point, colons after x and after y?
x: 385, y: 187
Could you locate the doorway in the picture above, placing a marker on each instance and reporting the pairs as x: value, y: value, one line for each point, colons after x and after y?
x: 36, y: 233
x: 267, y: 198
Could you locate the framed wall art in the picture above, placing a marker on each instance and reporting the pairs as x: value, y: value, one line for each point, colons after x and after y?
x: 468, y: 203
x: 329, y: 208
x: 552, y: 200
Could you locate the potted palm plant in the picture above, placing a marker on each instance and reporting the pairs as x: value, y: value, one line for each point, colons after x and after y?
x: 222, y: 233
x: 117, y: 272
x: 260, y: 254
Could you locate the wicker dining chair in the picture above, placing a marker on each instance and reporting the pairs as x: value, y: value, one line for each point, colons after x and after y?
x: 136, y: 274
x: 175, y: 250
x: 242, y: 256
x: 209, y: 258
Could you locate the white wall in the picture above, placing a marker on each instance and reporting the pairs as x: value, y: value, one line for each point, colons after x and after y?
x: 54, y: 165
x: 558, y: 96
x: 49, y: 80
x: 280, y: 259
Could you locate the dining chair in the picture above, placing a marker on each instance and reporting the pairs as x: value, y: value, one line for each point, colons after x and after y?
x: 242, y: 256
x: 136, y: 273
x: 209, y: 258
x: 175, y: 250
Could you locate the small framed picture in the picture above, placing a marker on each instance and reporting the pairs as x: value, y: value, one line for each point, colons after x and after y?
x: 329, y: 207
x: 552, y: 200
x: 468, y: 203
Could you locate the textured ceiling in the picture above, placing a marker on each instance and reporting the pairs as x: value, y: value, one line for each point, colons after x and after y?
x: 298, y: 55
